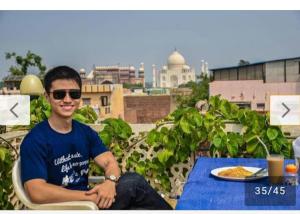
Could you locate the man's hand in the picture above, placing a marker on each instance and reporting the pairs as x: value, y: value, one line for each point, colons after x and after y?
x: 92, y: 197
x: 106, y: 193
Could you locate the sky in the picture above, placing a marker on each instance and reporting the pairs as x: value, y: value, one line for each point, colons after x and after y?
x: 81, y: 39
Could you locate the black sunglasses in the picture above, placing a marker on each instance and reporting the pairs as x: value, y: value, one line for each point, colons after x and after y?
x: 61, y: 93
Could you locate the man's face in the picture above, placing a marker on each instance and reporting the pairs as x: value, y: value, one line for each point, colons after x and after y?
x: 63, y: 106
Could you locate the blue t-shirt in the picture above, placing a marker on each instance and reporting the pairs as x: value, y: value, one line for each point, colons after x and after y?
x: 60, y: 159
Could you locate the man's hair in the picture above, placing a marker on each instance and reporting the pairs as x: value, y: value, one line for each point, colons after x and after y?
x: 60, y: 73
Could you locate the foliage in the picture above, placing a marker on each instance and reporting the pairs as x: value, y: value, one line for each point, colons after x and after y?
x: 176, y: 143
x: 6, y: 188
x: 256, y: 128
x: 243, y: 62
x: 115, y: 135
x: 200, y: 91
x: 189, y: 84
x: 86, y: 114
x: 40, y: 110
x: 132, y: 86
x: 23, y: 63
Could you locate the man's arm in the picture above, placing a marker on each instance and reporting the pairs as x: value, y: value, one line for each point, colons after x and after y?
x: 106, y: 191
x: 108, y: 162
x: 41, y: 192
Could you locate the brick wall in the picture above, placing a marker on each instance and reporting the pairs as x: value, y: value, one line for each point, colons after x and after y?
x: 146, y: 109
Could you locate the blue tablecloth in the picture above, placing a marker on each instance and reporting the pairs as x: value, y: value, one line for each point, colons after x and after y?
x: 202, y: 191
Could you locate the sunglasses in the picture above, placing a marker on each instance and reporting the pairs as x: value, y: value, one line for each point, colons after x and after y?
x: 61, y: 93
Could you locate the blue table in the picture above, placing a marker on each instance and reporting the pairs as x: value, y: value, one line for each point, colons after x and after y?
x: 202, y: 191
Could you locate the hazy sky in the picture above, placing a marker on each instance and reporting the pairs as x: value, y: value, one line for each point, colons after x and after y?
x: 85, y: 38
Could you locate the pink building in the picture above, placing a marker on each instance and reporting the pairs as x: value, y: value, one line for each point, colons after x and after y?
x: 251, y: 85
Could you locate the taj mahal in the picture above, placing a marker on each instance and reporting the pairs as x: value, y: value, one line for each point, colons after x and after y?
x: 175, y: 73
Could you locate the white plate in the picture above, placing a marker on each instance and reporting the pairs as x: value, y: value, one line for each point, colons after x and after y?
x: 215, y: 172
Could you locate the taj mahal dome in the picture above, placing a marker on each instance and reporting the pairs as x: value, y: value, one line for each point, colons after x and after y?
x: 175, y: 73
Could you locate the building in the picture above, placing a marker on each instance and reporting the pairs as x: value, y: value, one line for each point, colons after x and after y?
x: 115, y: 75
x: 146, y: 109
x: 11, y: 85
x: 251, y: 85
x: 106, y: 99
x: 175, y: 73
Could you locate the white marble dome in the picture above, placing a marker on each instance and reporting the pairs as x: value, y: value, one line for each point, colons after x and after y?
x: 176, y: 59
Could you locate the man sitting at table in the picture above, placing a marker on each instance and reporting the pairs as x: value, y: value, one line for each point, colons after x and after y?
x: 55, y: 156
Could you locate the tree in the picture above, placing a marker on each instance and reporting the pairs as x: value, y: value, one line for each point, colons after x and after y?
x: 243, y: 62
x: 23, y: 63
x: 132, y: 86
x: 200, y: 91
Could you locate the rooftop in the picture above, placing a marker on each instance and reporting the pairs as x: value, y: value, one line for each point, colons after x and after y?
x: 256, y: 63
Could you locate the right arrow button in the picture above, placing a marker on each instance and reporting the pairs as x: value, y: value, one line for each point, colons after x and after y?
x: 288, y: 110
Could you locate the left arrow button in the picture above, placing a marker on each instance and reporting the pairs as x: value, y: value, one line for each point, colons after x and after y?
x: 11, y: 110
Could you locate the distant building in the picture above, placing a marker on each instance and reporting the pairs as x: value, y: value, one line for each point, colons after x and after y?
x: 146, y: 109
x: 11, y: 84
x: 251, y: 85
x: 106, y: 100
x: 114, y: 75
x: 175, y: 73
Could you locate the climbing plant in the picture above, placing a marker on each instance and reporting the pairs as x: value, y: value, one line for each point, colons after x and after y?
x: 182, y: 132
x: 6, y: 187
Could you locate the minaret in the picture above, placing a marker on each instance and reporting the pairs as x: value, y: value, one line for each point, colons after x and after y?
x: 142, y: 73
x: 82, y: 73
x: 154, y: 76
x: 206, y: 69
x: 202, y: 68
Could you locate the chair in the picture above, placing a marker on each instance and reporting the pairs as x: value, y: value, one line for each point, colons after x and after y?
x: 72, y: 205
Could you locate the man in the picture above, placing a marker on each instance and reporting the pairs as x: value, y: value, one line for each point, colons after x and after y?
x: 55, y: 156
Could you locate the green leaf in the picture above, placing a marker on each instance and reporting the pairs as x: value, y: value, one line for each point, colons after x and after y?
x: 3, y: 153
x: 105, y: 137
x: 79, y: 118
x: 193, y: 146
x: 152, y: 137
x: 217, y: 141
x: 259, y: 152
x: 251, y: 146
x: 182, y: 154
x: 233, y: 148
x: 225, y: 107
x: 184, y: 124
x: 197, y: 118
x: 249, y: 137
x: 235, y: 137
x: 272, y: 133
x: 276, y: 146
x: 117, y: 151
x: 164, y: 155
x: 169, y: 142
x: 140, y: 168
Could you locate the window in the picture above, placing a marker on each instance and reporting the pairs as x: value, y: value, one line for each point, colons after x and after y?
x: 104, y: 100
x: 244, y: 105
x: 260, y: 105
x: 183, y: 77
x: 164, y: 78
x: 86, y: 101
x: 107, y: 110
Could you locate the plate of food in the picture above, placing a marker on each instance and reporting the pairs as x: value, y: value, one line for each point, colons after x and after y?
x: 240, y: 173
